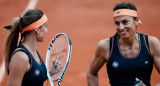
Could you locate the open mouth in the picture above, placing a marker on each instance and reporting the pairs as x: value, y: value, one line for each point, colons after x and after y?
x: 123, y: 33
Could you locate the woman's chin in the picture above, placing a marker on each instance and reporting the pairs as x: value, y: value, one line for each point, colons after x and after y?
x: 124, y: 36
x: 41, y: 40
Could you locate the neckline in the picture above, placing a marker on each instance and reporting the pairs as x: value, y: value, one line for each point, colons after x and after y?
x: 32, y: 55
x: 136, y: 56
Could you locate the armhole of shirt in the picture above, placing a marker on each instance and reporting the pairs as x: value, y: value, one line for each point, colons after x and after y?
x: 19, y: 50
x: 110, y: 47
x: 147, y: 43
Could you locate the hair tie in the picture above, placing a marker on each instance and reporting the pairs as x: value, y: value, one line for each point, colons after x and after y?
x: 8, y: 27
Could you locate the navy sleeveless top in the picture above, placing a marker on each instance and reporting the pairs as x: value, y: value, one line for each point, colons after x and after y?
x: 123, y: 71
x: 37, y: 73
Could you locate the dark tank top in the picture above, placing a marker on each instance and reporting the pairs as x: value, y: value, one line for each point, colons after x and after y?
x: 37, y: 73
x: 122, y: 71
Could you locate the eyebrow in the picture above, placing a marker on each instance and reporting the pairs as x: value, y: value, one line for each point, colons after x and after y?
x: 122, y: 20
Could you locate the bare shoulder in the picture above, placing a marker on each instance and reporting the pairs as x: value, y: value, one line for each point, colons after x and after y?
x: 19, y: 62
x: 20, y: 57
x: 104, y: 44
x: 102, y: 49
x: 153, y: 41
x: 154, y: 44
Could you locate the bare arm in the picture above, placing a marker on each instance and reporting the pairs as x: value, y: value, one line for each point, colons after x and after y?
x: 98, y: 61
x: 19, y: 65
x: 155, y: 50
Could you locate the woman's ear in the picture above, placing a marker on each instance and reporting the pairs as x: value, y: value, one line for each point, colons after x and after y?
x: 136, y: 21
x: 37, y: 30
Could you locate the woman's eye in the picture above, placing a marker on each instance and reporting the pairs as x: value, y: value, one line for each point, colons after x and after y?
x: 125, y: 22
x: 117, y: 23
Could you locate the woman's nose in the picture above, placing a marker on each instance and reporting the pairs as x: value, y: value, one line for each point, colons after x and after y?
x: 121, y: 26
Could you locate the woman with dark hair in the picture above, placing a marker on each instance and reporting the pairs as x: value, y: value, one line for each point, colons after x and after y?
x: 129, y: 56
x: 23, y: 63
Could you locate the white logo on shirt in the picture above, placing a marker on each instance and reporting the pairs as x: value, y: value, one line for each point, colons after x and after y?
x: 115, y: 64
x: 146, y: 62
x: 37, y: 72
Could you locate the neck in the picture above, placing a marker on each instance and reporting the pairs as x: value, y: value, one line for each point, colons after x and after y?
x: 30, y: 42
x: 129, y: 41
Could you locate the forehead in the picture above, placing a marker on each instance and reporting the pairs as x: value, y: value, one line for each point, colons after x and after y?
x: 121, y: 18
